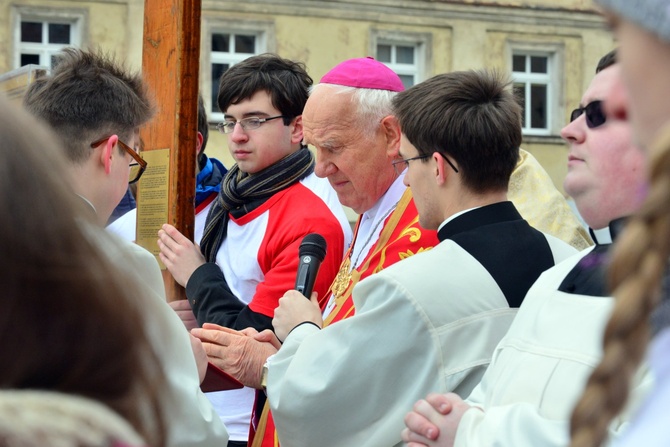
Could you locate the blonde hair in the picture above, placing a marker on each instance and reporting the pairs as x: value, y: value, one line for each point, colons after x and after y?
x: 638, y: 262
x: 36, y: 418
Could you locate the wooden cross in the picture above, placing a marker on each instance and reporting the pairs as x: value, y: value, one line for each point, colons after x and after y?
x: 170, y: 66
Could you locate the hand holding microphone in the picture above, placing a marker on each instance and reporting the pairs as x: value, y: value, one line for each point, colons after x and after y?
x: 293, y: 309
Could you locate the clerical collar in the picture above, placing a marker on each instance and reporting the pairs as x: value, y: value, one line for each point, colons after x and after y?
x: 601, y: 236
x: 608, y: 234
x: 479, y: 217
x: 588, y: 276
x: 454, y: 216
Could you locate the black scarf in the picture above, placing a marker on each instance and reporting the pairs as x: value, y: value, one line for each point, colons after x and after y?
x: 238, y: 190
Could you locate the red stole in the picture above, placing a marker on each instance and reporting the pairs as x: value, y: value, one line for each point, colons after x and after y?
x: 400, y: 238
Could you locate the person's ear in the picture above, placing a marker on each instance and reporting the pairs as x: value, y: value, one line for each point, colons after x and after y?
x: 296, y: 130
x: 198, y: 143
x: 442, y: 169
x: 390, y: 127
x: 108, y: 152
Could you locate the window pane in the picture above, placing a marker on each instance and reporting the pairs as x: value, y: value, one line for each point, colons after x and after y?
x: 538, y: 64
x: 245, y: 44
x: 407, y: 80
x: 221, y: 42
x: 30, y: 59
x: 384, y: 53
x: 404, y: 55
x: 217, y: 71
x: 520, y: 94
x: 31, y: 32
x: 519, y: 63
x: 538, y: 102
x: 59, y: 33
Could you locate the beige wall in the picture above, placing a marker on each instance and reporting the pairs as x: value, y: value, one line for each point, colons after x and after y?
x: 462, y: 35
x: 462, y: 38
x: 106, y: 27
x: 568, y: 4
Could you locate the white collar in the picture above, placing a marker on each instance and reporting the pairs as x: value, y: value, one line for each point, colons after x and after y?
x: 602, y: 236
x: 454, y: 216
x: 387, y: 201
x: 371, y: 221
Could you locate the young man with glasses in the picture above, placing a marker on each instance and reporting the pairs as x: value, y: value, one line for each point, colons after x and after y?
x: 208, y: 174
x: 269, y: 201
x: 95, y: 108
x: 541, y: 366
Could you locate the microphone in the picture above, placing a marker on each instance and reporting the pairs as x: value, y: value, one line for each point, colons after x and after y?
x: 311, y: 253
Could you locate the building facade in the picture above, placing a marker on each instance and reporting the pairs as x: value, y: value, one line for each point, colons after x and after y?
x: 550, y: 47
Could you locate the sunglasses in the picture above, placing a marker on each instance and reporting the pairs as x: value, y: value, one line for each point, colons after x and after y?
x: 595, y: 116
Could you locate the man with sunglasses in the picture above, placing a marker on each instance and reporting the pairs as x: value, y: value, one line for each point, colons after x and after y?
x: 541, y: 366
x: 95, y: 108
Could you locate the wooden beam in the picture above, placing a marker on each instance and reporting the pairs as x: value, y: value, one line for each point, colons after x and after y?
x: 170, y: 66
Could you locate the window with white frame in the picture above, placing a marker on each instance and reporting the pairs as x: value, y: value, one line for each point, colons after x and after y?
x: 532, y: 74
x: 402, y: 58
x: 408, y: 54
x: 38, y: 38
x: 227, y: 49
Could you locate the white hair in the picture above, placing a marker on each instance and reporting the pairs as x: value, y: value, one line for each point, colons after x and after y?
x: 370, y: 105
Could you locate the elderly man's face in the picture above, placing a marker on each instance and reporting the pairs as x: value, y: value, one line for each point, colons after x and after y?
x: 606, y: 172
x: 357, y: 165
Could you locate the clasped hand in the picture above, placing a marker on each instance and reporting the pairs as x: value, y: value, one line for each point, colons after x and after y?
x: 434, y: 421
x: 241, y: 354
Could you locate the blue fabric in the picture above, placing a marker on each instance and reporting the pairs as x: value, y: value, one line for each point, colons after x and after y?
x: 209, y: 180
